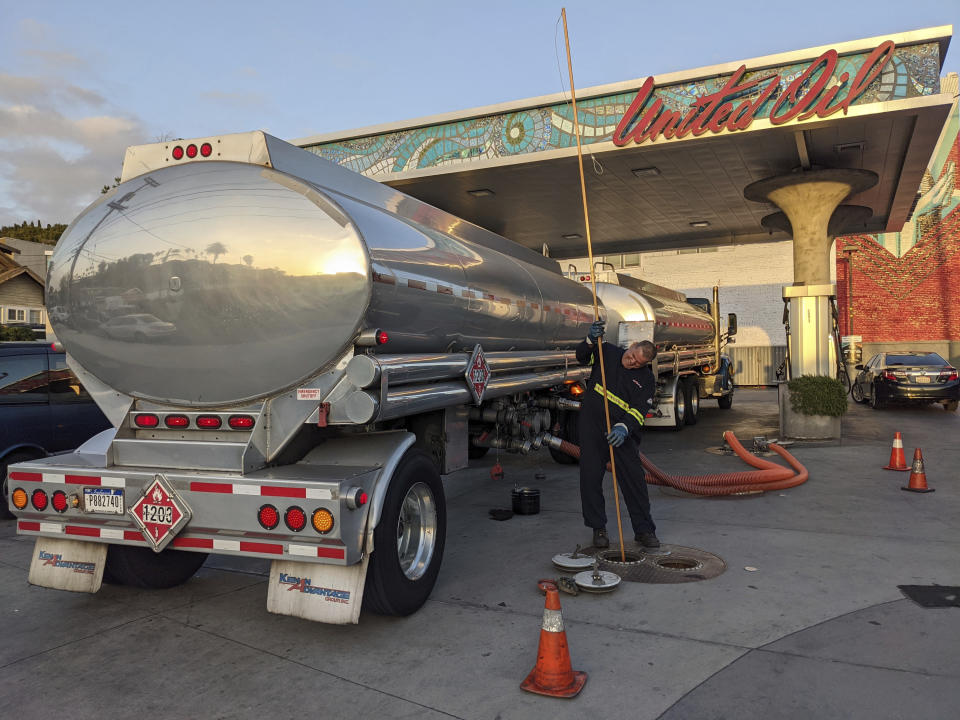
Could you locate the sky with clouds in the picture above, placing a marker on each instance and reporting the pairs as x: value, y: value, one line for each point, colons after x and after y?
x: 79, y: 82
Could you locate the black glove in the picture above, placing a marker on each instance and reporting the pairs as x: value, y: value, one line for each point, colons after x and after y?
x: 596, y: 330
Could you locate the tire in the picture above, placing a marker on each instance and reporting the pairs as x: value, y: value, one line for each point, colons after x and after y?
x: 11, y: 459
x: 875, y: 403
x: 856, y: 392
x: 570, y: 433
x: 143, y: 568
x: 475, y: 452
x: 408, y: 540
x: 692, y: 390
x: 725, y: 401
x: 679, y: 405
x: 951, y: 405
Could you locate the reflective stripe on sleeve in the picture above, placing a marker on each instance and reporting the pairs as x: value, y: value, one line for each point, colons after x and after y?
x: 635, y: 414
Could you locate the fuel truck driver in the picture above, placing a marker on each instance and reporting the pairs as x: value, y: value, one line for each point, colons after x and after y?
x: 630, y: 389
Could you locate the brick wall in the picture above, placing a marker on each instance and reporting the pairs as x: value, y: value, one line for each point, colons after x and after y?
x: 912, y: 300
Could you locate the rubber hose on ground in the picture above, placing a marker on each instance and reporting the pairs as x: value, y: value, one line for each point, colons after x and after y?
x: 769, y: 476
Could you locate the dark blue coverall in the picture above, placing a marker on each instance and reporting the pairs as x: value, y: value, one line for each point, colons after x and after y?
x: 630, y: 397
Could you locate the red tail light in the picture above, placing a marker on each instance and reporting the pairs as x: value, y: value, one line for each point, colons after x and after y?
x: 191, y: 150
x: 948, y: 374
x: 59, y: 501
x: 295, y: 518
x: 268, y: 517
x: 382, y: 337
x: 177, y: 153
x: 209, y: 422
x: 176, y: 421
x: 146, y: 420
x: 206, y: 149
x: 888, y: 375
x: 39, y: 499
x: 240, y: 422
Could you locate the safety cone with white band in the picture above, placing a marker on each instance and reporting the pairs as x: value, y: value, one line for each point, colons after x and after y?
x: 553, y: 674
x: 898, y: 460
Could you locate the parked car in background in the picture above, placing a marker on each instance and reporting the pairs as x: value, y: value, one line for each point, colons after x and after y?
x: 43, y: 407
x: 907, y: 376
x: 140, y: 326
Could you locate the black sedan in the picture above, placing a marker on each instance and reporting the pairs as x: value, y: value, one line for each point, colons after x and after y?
x: 907, y: 376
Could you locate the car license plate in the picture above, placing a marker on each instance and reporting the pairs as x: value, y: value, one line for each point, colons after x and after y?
x: 103, y: 500
x: 923, y: 378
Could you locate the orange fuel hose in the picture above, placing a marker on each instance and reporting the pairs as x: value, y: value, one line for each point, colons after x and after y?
x: 768, y: 476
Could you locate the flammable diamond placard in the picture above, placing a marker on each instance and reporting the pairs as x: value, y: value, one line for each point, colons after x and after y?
x: 478, y: 374
x: 160, y: 513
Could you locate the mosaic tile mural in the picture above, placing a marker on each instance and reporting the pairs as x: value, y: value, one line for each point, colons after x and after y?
x: 913, y: 71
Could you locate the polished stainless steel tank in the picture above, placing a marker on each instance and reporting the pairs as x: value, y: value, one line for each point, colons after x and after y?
x: 676, y: 322
x: 214, y: 283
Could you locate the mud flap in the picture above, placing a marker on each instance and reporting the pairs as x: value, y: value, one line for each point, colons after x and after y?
x: 323, y: 593
x: 67, y: 564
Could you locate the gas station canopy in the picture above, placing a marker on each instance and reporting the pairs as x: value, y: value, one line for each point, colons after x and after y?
x: 667, y: 158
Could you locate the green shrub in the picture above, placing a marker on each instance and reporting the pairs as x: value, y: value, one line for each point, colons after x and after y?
x: 16, y: 333
x: 818, y: 395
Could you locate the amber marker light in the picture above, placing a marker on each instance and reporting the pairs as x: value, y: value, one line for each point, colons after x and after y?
x: 576, y: 389
x: 322, y: 520
x: 19, y: 498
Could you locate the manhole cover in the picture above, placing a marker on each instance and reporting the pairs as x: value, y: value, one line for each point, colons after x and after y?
x: 670, y: 564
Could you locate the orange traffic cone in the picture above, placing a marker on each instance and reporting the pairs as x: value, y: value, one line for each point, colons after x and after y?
x: 552, y: 674
x: 918, y: 478
x: 897, y: 459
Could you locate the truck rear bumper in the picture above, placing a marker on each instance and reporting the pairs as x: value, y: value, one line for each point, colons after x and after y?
x: 224, y: 508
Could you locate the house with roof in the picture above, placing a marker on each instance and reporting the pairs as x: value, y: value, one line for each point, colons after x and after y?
x: 21, y: 289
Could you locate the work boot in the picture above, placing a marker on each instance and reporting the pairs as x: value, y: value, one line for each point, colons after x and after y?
x: 600, y: 539
x: 648, y: 540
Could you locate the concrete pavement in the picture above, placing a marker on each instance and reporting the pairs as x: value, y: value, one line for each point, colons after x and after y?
x: 818, y: 630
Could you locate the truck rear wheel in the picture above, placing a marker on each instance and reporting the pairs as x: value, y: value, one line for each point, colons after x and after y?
x: 408, y: 540
x: 692, y: 390
x: 143, y: 568
x: 679, y: 404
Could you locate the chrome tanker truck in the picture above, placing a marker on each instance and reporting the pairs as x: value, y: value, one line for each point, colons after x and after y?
x: 291, y: 354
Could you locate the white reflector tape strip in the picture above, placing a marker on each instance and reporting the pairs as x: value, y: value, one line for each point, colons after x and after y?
x: 54, y: 478
x: 246, y: 489
x: 51, y: 527
x: 319, y: 494
x: 111, y: 533
x: 114, y: 482
x: 226, y: 545
x: 306, y: 550
x: 552, y: 620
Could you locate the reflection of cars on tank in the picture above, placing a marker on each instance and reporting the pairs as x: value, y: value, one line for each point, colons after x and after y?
x: 907, y: 376
x: 43, y: 407
x: 141, y: 326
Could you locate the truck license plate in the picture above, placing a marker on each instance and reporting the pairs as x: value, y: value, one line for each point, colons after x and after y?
x: 103, y: 500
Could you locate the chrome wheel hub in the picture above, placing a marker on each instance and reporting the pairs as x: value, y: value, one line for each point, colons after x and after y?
x: 417, y: 531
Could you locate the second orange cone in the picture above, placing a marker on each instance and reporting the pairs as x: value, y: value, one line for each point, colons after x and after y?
x: 918, y: 476
x: 553, y: 674
x: 898, y: 460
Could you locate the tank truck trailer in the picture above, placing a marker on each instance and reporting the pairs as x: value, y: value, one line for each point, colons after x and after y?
x: 300, y: 354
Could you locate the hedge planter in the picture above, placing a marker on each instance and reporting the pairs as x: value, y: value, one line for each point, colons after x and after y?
x: 811, y: 408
